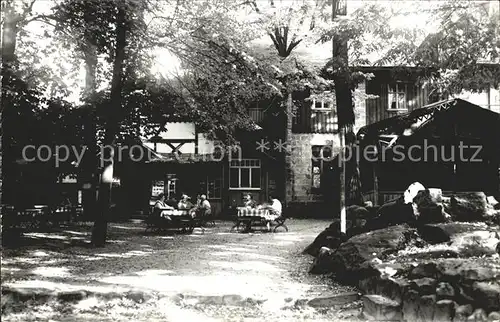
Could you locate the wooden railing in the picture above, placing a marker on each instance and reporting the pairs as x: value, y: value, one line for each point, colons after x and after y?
x: 307, y: 120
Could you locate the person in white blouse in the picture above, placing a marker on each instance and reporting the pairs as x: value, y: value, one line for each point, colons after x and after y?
x: 275, y: 208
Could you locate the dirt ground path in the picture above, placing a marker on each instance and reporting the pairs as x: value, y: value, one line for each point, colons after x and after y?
x: 218, y: 275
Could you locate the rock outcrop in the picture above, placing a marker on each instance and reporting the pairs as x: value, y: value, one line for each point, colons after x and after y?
x: 354, y: 257
x: 435, y: 270
x: 332, y: 238
x: 469, y: 207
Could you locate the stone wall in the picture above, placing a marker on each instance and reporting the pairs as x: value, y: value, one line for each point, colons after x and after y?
x: 300, y: 165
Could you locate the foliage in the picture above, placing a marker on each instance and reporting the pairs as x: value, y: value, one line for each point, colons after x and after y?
x: 224, y: 69
x: 465, y: 48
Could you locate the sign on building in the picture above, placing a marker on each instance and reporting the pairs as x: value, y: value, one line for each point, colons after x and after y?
x: 157, y: 188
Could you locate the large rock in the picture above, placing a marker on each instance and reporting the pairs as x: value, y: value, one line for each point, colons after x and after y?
x: 475, y: 243
x: 469, y: 207
x: 487, y: 295
x: 393, y: 213
x: 424, y: 285
x: 392, y: 288
x: 494, y: 316
x: 444, y: 232
x: 462, y: 312
x: 331, y: 238
x: 334, y: 300
x: 358, y: 218
x: 380, y: 308
x: 323, y: 263
x: 444, y: 311
x: 463, y: 270
x: 412, y: 191
x: 427, y: 208
x: 361, y: 249
x: 466, y: 239
x: 418, y: 308
x: 478, y: 315
x: 445, y: 291
x: 492, y: 201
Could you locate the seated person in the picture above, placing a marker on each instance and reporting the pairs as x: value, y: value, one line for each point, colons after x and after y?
x: 184, y: 203
x: 172, y: 203
x: 275, y: 208
x: 161, y: 205
x: 248, y: 201
x: 204, y: 206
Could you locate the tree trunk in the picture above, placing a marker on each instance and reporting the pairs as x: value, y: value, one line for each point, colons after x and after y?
x: 288, y: 131
x: 345, y: 110
x: 375, y: 185
x: 9, y: 37
x: 90, y: 175
x: 99, y: 231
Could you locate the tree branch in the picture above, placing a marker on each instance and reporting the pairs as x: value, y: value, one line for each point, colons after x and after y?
x: 44, y: 18
x: 28, y: 10
x: 293, y: 44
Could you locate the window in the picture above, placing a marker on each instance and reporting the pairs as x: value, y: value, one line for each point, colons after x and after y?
x: 212, y: 187
x: 244, y: 174
x: 321, y: 105
x: 397, y: 97
x: 321, y: 158
x: 171, y: 186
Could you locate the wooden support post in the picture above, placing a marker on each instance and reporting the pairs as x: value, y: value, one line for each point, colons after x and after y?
x: 343, y: 214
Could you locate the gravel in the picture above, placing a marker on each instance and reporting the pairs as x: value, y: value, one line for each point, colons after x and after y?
x: 267, y: 268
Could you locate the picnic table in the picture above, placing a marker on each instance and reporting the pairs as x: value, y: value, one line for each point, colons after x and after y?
x: 173, y: 219
x: 258, y: 217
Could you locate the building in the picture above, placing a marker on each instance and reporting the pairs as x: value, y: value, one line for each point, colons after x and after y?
x: 451, y: 145
x: 312, y: 181
x: 179, y: 159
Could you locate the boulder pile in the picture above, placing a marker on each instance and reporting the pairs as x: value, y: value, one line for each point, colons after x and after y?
x: 444, y: 265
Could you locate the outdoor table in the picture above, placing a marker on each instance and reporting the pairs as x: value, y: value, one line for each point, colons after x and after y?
x: 174, y: 218
x: 260, y: 216
x: 256, y: 212
x: 174, y: 212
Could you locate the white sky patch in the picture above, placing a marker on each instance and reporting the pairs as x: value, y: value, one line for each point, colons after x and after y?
x: 166, y: 64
